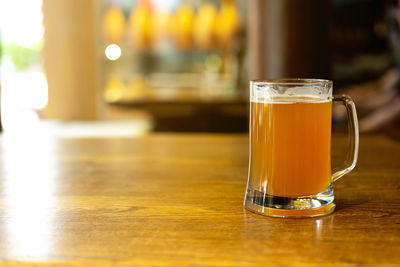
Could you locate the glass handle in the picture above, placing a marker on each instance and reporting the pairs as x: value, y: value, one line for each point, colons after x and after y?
x: 352, y: 127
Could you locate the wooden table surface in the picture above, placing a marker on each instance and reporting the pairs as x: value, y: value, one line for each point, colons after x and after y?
x: 176, y: 200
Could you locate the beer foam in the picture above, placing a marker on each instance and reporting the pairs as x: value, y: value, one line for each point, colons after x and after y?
x: 287, y: 99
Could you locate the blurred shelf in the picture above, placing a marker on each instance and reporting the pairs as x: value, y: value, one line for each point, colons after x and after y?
x: 178, y: 97
x: 190, y: 110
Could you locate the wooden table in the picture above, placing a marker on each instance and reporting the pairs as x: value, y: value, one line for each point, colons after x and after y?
x: 173, y: 200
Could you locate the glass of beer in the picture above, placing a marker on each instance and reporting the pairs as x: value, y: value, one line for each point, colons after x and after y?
x: 290, y: 147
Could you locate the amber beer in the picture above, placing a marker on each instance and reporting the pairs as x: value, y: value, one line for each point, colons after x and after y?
x: 290, y: 145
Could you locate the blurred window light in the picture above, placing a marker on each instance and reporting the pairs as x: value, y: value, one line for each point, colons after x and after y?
x: 24, y: 86
x: 113, y: 52
x: 23, y: 95
x: 19, y: 22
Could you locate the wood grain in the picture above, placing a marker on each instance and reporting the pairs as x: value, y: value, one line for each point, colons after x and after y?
x: 177, y: 200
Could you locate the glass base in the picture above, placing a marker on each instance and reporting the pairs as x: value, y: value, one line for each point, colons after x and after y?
x: 304, y: 206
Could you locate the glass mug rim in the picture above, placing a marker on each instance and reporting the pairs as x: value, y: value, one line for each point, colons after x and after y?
x: 292, y: 81
x: 271, y: 90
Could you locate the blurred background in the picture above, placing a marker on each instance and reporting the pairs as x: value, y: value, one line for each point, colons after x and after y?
x: 130, y: 67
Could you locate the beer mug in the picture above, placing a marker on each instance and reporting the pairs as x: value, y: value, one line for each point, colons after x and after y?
x: 290, y: 147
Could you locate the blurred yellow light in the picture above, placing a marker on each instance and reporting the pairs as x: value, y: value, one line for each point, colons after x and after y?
x: 227, y: 24
x: 113, y: 52
x: 141, y: 25
x: 204, y: 24
x: 114, y: 24
x: 183, y: 26
x: 114, y: 89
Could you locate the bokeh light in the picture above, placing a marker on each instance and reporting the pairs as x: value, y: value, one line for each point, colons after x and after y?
x: 113, y: 52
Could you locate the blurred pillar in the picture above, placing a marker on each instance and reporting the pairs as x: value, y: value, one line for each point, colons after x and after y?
x: 70, y: 59
x: 289, y: 38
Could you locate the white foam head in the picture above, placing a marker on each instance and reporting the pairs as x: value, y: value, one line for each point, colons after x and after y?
x: 291, y: 91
